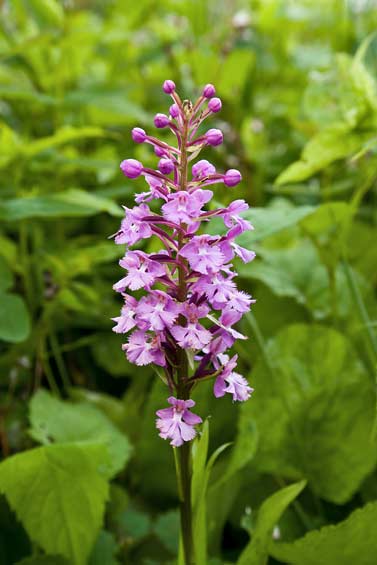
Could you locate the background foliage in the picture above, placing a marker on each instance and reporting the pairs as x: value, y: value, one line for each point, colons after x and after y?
x: 84, y: 477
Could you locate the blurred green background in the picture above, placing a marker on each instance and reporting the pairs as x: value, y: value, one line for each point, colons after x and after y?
x: 297, y: 81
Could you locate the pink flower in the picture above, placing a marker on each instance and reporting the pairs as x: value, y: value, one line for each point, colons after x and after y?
x: 184, y: 207
x: 133, y: 228
x: 192, y: 336
x: 234, y: 384
x: 158, y: 310
x: 143, y: 348
x: 177, y: 423
x: 235, y: 300
x: 142, y: 271
x: 126, y: 321
x: 203, y: 254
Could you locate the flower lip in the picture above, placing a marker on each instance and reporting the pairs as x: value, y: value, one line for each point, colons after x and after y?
x: 209, y: 91
x: 168, y: 87
x: 161, y: 121
x: 131, y: 168
x: 232, y: 177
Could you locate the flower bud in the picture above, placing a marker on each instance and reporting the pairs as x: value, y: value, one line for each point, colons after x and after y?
x: 214, y: 137
x: 209, y: 91
x: 215, y: 105
x: 161, y: 121
x: 202, y: 169
x: 131, y: 168
x: 168, y: 87
x: 232, y: 177
x: 159, y: 151
x: 138, y: 135
x: 174, y: 111
x: 166, y: 166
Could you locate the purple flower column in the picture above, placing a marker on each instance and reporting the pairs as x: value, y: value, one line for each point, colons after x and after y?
x: 187, y: 301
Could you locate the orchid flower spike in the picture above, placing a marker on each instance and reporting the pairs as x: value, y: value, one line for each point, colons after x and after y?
x: 187, y: 305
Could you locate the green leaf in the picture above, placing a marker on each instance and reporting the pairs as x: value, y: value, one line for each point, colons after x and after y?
x: 256, y: 552
x: 297, y: 272
x: 59, y: 496
x: 14, y: 318
x: 69, y: 203
x: 134, y: 524
x: 166, y: 529
x: 347, y: 543
x: 199, y: 459
x: 201, y: 471
x: 104, y: 550
x: 314, y: 408
x: 62, y: 421
x: 330, y: 144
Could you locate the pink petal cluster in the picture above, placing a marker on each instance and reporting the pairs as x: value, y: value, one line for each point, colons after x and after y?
x: 187, y: 300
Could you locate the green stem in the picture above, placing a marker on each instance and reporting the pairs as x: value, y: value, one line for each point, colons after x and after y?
x: 183, y: 388
x: 184, y: 478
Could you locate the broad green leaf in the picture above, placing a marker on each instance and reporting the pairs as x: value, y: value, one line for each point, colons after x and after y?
x: 69, y: 203
x: 350, y: 542
x: 298, y: 272
x: 14, y: 318
x: 314, y: 407
x: 104, y: 550
x: 63, y: 421
x: 330, y: 144
x: 256, y: 552
x: 166, y: 528
x: 134, y: 523
x: 59, y: 496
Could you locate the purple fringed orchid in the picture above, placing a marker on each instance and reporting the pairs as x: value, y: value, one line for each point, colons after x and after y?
x: 184, y: 320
